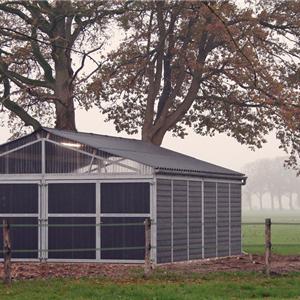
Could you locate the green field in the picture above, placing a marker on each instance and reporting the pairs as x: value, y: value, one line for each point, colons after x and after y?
x: 285, y: 238
x: 212, y: 286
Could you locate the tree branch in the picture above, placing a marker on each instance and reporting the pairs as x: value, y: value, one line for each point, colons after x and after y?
x: 15, y: 108
x: 40, y: 58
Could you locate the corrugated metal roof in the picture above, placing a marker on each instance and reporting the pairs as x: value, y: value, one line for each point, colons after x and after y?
x: 145, y: 153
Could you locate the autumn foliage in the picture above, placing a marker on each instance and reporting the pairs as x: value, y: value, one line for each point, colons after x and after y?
x: 214, y: 66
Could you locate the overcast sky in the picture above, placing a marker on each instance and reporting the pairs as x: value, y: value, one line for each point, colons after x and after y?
x: 221, y: 150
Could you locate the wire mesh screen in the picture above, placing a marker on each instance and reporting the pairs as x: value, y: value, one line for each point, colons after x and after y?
x: 123, y: 238
x: 125, y: 197
x: 19, y: 198
x: 23, y: 236
x: 66, y: 198
x: 76, y: 241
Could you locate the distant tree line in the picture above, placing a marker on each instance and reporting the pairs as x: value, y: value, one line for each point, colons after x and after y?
x: 269, y: 177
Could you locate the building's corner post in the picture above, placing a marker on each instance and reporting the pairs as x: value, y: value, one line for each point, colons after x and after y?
x: 268, y: 246
x: 98, y: 220
x: 7, y: 252
x: 43, y: 209
x: 153, y: 214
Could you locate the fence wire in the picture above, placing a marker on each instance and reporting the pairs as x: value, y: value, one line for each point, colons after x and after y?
x: 285, y: 237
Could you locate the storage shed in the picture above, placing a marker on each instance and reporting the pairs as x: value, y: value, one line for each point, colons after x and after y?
x: 84, y: 197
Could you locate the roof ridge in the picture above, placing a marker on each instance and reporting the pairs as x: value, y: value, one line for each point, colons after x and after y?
x: 98, y: 134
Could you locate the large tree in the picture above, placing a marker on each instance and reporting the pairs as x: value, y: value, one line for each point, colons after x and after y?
x: 210, y: 65
x: 44, y: 46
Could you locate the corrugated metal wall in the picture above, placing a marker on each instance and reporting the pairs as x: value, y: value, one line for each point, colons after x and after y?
x: 164, y: 221
x: 235, y: 212
x: 197, y: 219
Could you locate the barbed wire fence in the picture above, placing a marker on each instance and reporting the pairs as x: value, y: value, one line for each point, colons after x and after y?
x: 8, y: 251
x: 281, y: 238
x: 257, y: 238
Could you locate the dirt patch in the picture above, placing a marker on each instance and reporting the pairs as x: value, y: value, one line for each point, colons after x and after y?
x: 279, y: 264
x: 30, y: 270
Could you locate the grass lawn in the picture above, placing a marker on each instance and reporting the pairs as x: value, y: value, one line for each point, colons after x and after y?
x: 161, y: 286
x: 285, y: 238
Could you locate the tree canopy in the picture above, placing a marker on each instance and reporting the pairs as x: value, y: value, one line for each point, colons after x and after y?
x: 44, y: 46
x: 214, y: 66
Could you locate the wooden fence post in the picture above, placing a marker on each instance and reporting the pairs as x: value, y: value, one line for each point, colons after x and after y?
x: 6, y: 252
x: 268, y: 246
x: 147, y: 267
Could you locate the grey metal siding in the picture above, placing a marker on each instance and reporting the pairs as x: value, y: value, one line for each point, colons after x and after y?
x: 223, y: 219
x: 164, y: 220
x: 235, y: 212
x: 180, y: 219
x: 209, y: 219
x: 195, y: 219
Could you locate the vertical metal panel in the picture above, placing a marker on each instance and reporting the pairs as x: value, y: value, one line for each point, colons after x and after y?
x: 223, y: 219
x: 172, y: 220
x: 22, y: 237
x: 210, y: 219
x: 195, y: 219
x: 153, y: 215
x: 122, y: 236
x: 216, y: 218
x: 125, y: 197
x: 19, y: 198
x: 230, y: 219
x: 72, y: 198
x: 164, y: 220
x: 188, y: 218
x: 98, y: 220
x: 202, y: 217
x: 235, y: 213
x: 70, y: 237
x: 180, y: 220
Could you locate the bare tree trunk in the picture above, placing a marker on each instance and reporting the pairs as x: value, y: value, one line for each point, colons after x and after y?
x: 155, y: 138
x: 65, y: 111
x: 61, y: 54
x: 65, y: 114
